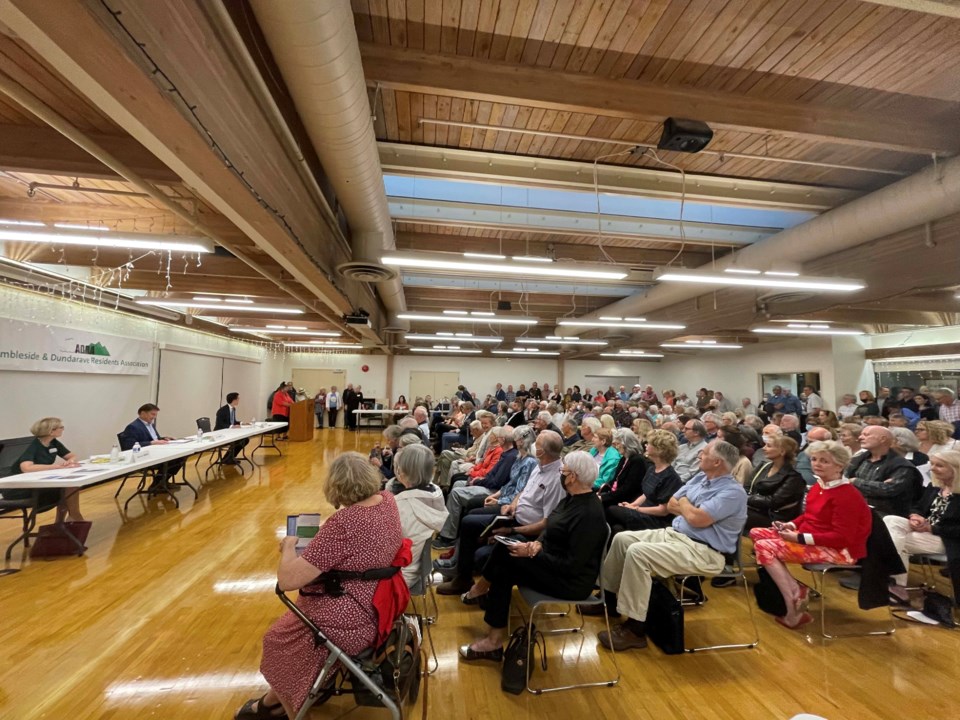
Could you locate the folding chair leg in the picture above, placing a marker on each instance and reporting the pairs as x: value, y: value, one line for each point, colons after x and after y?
x: 823, y: 613
x: 753, y: 623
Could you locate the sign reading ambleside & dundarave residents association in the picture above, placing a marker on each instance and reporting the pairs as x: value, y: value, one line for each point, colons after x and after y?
x: 31, y: 347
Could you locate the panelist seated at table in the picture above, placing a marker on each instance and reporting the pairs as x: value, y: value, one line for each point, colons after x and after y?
x: 46, y: 452
x: 227, y: 418
x: 143, y: 430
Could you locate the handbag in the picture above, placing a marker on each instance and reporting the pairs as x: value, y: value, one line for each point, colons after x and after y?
x: 519, y: 656
x: 51, y: 542
x: 665, y: 620
x: 939, y: 607
x: 768, y: 595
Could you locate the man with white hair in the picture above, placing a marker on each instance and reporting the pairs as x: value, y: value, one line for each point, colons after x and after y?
x: 847, y: 408
x: 710, y: 513
x: 949, y: 409
x: 423, y: 422
x: 748, y: 407
x: 588, y: 426
x: 790, y: 425
x: 711, y: 421
x: 544, y: 421
x: 888, y: 482
x: 636, y: 394
x: 724, y: 404
x: 623, y: 394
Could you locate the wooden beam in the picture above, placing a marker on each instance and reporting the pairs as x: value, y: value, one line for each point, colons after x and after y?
x: 912, y: 351
x: 43, y: 150
x: 944, y: 8
x: 487, y: 80
x: 884, y: 316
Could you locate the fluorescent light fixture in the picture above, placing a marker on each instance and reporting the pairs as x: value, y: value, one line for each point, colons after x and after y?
x: 274, y: 330
x: 535, y: 269
x: 702, y: 345
x: 214, y: 306
x: 467, y: 337
x: 484, y: 256
x: 529, y: 352
x: 636, y: 324
x: 779, y: 273
x: 482, y: 313
x: 455, y: 312
x: 127, y: 241
x: 532, y: 258
x: 632, y: 355
x: 211, y: 298
x: 611, y: 318
x: 72, y: 226
x: 320, y: 344
x: 560, y: 341
x: 741, y: 271
x: 23, y: 223
x: 767, y: 280
x: 461, y: 351
x: 453, y: 318
x: 800, y: 329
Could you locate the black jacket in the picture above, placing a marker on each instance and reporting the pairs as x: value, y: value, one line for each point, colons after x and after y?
x: 949, y: 525
x: 881, y: 562
x: 222, y: 421
x: 780, y: 494
x: 887, y: 498
x: 516, y: 419
x: 629, y: 478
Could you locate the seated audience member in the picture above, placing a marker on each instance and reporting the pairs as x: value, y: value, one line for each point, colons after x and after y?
x: 868, y: 405
x: 847, y: 408
x: 729, y: 419
x: 529, y: 510
x: 503, y: 413
x: 907, y: 446
x: 43, y: 453
x: 646, y: 507
x: 710, y: 511
x: 607, y: 422
x: 422, y: 417
x: 687, y: 462
x: 925, y: 407
x: 834, y: 529
x: 523, y: 439
x: 790, y: 425
x: 815, y: 434
x: 227, y: 418
x: 515, y: 414
x: 605, y: 455
x: 748, y: 407
x: 711, y: 421
x: 464, y: 462
x: 364, y: 534
x: 143, y: 430
x: 448, y: 457
x: 544, y: 421
x: 775, y: 491
x: 888, y: 482
x: 896, y: 419
x: 849, y: 436
x: 568, y: 429
x: 829, y: 419
x: 449, y: 429
x: 626, y: 483
x: 382, y: 457
x: 934, y: 518
x: 935, y: 436
x: 419, y: 503
x: 480, y: 483
x: 641, y: 427
x: 563, y: 560
x: 280, y: 407
x: 743, y: 470
x: 588, y: 430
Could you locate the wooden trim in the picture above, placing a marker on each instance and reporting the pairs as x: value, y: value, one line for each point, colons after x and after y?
x: 912, y: 351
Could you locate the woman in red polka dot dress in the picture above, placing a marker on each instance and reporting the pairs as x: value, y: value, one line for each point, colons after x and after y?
x: 364, y: 534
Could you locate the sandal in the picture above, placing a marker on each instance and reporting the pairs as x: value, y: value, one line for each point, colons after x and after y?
x: 804, y: 620
x: 468, y: 599
x: 256, y: 709
x: 469, y: 654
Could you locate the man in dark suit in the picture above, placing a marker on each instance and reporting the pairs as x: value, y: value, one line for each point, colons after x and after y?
x: 227, y: 418
x: 350, y: 403
x: 143, y: 430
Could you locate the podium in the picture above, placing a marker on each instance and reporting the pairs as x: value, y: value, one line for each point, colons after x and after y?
x: 301, y: 421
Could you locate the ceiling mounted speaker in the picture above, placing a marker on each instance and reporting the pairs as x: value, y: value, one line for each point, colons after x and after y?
x: 504, y: 305
x: 687, y: 136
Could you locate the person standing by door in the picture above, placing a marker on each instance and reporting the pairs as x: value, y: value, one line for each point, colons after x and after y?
x: 319, y: 406
x: 333, y: 406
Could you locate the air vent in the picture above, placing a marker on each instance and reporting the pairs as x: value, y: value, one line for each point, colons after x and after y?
x: 786, y: 297
x: 364, y: 271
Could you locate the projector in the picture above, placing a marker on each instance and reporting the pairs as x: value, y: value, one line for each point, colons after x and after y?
x: 688, y: 136
x: 362, y: 320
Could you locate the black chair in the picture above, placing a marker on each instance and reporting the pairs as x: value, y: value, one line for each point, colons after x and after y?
x: 10, y: 508
x: 203, y: 424
x: 123, y: 481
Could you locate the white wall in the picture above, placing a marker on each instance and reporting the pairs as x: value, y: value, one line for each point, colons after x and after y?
x: 373, y: 381
x: 478, y: 374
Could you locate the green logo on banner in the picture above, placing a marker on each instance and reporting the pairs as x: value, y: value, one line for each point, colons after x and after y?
x: 93, y: 349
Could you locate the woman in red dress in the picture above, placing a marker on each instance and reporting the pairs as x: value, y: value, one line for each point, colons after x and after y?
x: 362, y: 535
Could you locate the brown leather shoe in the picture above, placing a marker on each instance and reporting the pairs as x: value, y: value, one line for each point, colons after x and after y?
x: 622, y: 638
x: 454, y: 587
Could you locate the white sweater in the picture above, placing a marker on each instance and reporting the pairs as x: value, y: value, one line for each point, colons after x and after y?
x: 422, y: 512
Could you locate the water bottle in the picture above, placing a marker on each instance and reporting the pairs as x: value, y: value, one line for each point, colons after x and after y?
x: 253, y: 421
x: 135, y: 453
x: 199, y: 435
x: 115, y: 452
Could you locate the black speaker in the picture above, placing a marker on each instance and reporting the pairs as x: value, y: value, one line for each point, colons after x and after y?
x: 504, y: 305
x: 688, y: 136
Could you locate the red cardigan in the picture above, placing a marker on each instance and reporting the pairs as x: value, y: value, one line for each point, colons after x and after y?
x: 281, y: 404
x: 837, y: 518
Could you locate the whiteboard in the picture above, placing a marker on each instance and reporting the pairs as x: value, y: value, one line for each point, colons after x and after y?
x: 189, y: 388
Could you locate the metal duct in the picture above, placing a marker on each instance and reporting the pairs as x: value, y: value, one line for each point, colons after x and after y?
x: 926, y: 196
x: 315, y: 46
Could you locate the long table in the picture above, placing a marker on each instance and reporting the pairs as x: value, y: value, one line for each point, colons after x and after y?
x: 89, y: 474
x: 371, y: 412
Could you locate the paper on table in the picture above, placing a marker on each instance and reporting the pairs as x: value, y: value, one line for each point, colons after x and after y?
x: 180, y: 441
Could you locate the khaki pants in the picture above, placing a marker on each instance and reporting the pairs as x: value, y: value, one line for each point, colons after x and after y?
x: 909, y: 542
x: 635, y: 557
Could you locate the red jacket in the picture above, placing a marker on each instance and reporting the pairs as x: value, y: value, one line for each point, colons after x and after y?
x: 281, y: 403
x: 837, y: 518
x: 490, y: 458
x: 392, y: 595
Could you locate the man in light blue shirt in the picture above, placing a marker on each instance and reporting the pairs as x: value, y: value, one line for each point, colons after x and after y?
x: 710, y: 513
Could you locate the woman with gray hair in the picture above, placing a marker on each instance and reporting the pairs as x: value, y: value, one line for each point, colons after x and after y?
x: 907, y: 445
x: 628, y: 479
x: 563, y: 562
x: 419, y: 502
x: 646, y: 507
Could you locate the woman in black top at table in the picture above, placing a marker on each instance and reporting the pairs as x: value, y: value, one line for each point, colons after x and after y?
x: 627, y: 483
x: 648, y: 509
x: 45, y: 452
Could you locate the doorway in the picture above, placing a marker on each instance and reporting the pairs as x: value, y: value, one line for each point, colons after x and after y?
x: 312, y: 379
x: 437, y: 385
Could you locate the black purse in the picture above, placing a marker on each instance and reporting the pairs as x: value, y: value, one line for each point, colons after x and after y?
x: 939, y: 607
x: 768, y: 595
x: 665, y: 620
x: 518, y: 656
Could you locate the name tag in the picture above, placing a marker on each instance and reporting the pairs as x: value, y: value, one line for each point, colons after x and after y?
x: 52, y: 451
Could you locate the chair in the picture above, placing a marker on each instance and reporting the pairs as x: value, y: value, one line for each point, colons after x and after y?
x: 420, y: 590
x: 9, y: 510
x: 535, y: 599
x: 203, y: 425
x: 819, y: 572
x: 734, y: 569
x: 928, y: 562
x: 123, y: 481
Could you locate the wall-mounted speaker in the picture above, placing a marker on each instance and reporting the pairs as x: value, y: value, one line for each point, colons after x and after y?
x: 687, y: 136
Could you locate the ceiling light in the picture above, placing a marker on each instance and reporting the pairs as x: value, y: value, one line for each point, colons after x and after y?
x: 800, y: 329
x: 127, y: 241
x: 532, y: 258
x: 560, y: 341
x: 632, y: 355
x: 211, y: 298
x: 767, y: 280
x: 23, y: 223
x: 702, y: 345
x: 281, y: 330
x: 778, y: 273
x: 214, y: 306
x: 524, y: 351
x: 319, y: 344
x: 451, y: 318
x: 508, y: 268
x: 482, y: 313
x: 610, y: 318
x: 71, y: 226
x: 741, y: 271
x: 455, y: 312
x: 636, y: 324
x: 484, y: 256
x: 463, y: 336
x: 462, y: 351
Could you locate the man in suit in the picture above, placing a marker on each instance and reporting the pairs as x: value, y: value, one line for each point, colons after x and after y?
x: 501, y: 395
x: 143, y: 430
x: 227, y: 418
x: 350, y: 403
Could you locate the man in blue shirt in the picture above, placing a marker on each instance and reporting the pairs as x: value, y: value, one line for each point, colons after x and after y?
x: 710, y: 513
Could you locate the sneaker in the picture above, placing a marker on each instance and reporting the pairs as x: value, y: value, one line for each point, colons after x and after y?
x: 442, y: 543
x: 621, y: 638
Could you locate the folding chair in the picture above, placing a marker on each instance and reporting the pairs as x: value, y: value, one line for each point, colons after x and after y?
x: 123, y: 481
x: 819, y: 572
x: 928, y: 562
x: 420, y: 591
x: 535, y: 599
x: 734, y: 570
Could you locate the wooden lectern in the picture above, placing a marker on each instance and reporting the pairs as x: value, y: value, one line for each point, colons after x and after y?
x: 301, y: 421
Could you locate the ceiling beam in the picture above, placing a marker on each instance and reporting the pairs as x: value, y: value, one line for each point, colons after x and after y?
x: 886, y: 316
x: 912, y: 351
x: 43, y: 150
x: 491, y: 81
x: 944, y: 8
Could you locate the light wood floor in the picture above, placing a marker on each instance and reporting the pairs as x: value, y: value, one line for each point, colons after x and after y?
x: 164, y: 615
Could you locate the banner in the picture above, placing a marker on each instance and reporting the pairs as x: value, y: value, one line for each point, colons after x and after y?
x: 31, y: 347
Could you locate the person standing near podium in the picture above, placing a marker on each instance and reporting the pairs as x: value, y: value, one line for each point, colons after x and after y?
x: 227, y: 418
x: 282, y: 401
x: 333, y: 406
x: 351, y: 402
x: 319, y: 406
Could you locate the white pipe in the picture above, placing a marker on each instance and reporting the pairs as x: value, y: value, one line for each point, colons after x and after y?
x: 926, y: 196
x: 316, y: 48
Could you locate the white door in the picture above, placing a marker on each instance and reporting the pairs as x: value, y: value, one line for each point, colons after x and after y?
x: 312, y: 379
x: 435, y: 384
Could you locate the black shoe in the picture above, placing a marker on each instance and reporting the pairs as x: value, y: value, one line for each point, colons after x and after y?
x: 469, y: 654
x: 596, y: 610
x: 722, y: 582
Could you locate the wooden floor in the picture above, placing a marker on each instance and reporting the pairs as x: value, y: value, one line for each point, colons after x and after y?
x: 164, y: 615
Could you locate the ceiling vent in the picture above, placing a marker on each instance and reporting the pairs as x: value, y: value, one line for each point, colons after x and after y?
x: 365, y: 271
x: 786, y: 297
